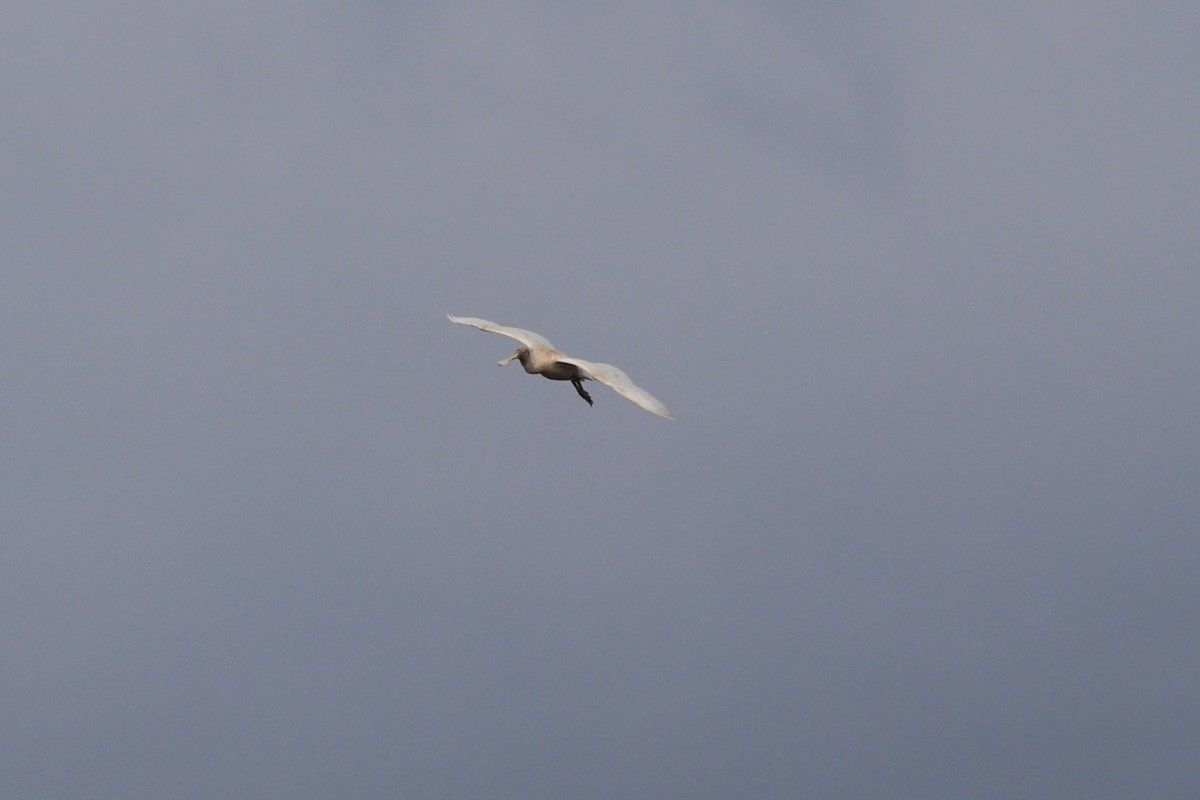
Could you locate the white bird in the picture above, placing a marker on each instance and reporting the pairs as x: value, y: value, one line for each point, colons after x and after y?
x: 539, y: 357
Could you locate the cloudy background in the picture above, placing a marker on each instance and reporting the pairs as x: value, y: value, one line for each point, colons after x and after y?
x: 921, y: 285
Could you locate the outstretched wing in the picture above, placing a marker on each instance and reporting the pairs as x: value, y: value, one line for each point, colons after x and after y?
x: 527, y: 338
x: 619, y: 382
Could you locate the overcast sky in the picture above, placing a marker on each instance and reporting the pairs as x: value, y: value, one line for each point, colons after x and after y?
x: 921, y: 282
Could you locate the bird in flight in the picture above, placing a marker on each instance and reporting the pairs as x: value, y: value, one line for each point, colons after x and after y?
x: 539, y: 357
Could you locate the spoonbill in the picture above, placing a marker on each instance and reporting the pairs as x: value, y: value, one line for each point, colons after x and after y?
x: 539, y: 357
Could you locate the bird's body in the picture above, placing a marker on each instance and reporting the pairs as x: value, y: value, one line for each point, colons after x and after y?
x: 547, y: 363
x: 539, y: 357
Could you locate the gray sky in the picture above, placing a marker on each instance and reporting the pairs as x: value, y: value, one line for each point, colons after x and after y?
x: 921, y: 286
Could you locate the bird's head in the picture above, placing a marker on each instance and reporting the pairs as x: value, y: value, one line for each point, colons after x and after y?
x: 522, y: 354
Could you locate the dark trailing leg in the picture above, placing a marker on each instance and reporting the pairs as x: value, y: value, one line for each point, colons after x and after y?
x: 578, y: 384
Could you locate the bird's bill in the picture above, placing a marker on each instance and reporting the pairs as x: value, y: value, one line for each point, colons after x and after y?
x: 504, y: 362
